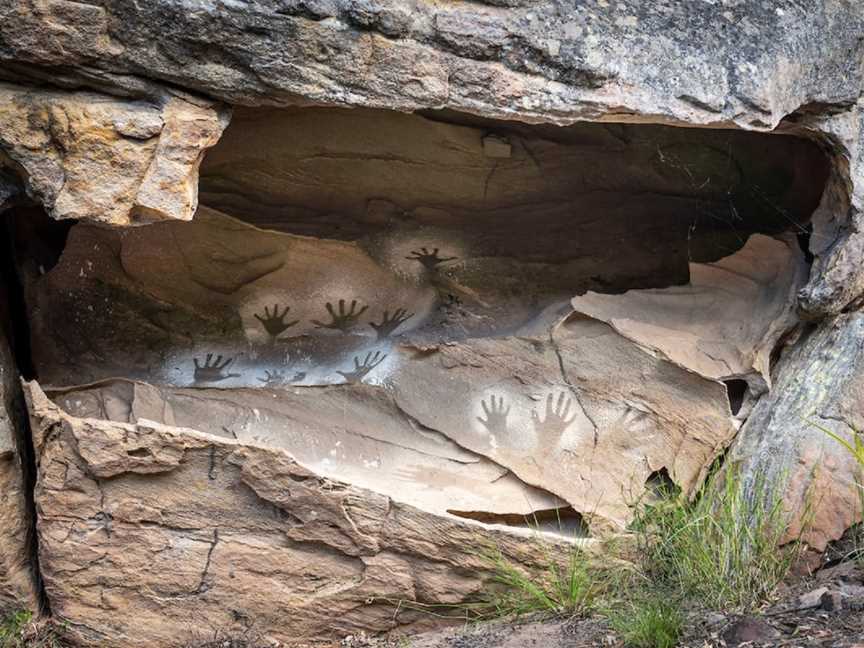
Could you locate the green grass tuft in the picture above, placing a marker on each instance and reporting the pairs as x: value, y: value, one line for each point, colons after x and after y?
x: 12, y: 629
x: 648, y: 622
x: 561, y: 585
x: 722, y: 549
x: 855, y: 447
x: 18, y: 630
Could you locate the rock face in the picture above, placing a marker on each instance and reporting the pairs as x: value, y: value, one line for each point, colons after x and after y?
x: 386, y: 337
x: 819, y: 385
x: 191, y: 532
x: 90, y: 157
x: 547, y: 60
x: 16, y: 578
x: 266, y: 336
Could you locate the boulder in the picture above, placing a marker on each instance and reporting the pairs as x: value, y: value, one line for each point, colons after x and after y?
x: 87, y: 156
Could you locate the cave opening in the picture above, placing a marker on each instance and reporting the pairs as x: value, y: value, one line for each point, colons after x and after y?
x: 560, y: 521
x: 737, y: 390
x: 461, y: 313
x: 611, y: 207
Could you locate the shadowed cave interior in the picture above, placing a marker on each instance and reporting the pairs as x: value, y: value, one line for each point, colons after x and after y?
x: 480, y: 318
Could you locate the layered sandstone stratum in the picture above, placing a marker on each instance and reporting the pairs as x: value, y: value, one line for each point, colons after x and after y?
x: 303, y: 302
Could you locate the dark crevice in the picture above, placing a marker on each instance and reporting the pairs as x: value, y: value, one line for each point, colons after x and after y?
x: 661, y: 485
x: 847, y: 548
x: 854, y: 306
x: 13, y: 317
x: 736, y: 390
x: 804, y: 234
x: 565, y: 520
x: 36, y: 242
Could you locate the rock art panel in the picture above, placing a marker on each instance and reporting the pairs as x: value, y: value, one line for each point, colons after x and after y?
x: 209, y: 305
x: 380, y: 361
x: 583, y: 413
x: 89, y: 156
x: 355, y: 434
x: 185, y: 532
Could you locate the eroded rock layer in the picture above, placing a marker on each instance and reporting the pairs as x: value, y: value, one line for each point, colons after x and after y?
x: 156, y: 535
x: 92, y: 157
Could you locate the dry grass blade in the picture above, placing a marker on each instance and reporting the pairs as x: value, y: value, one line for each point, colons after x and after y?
x: 19, y: 630
x: 723, y: 549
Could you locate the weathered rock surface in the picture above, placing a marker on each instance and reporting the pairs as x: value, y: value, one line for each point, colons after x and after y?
x: 836, y: 280
x: 16, y: 578
x: 88, y: 156
x: 157, y: 535
x: 820, y: 382
x: 547, y: 61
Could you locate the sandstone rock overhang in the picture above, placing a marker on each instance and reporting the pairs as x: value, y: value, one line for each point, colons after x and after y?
x: 545, y: 62
x: 80, y: 136
x: 577, y: 296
